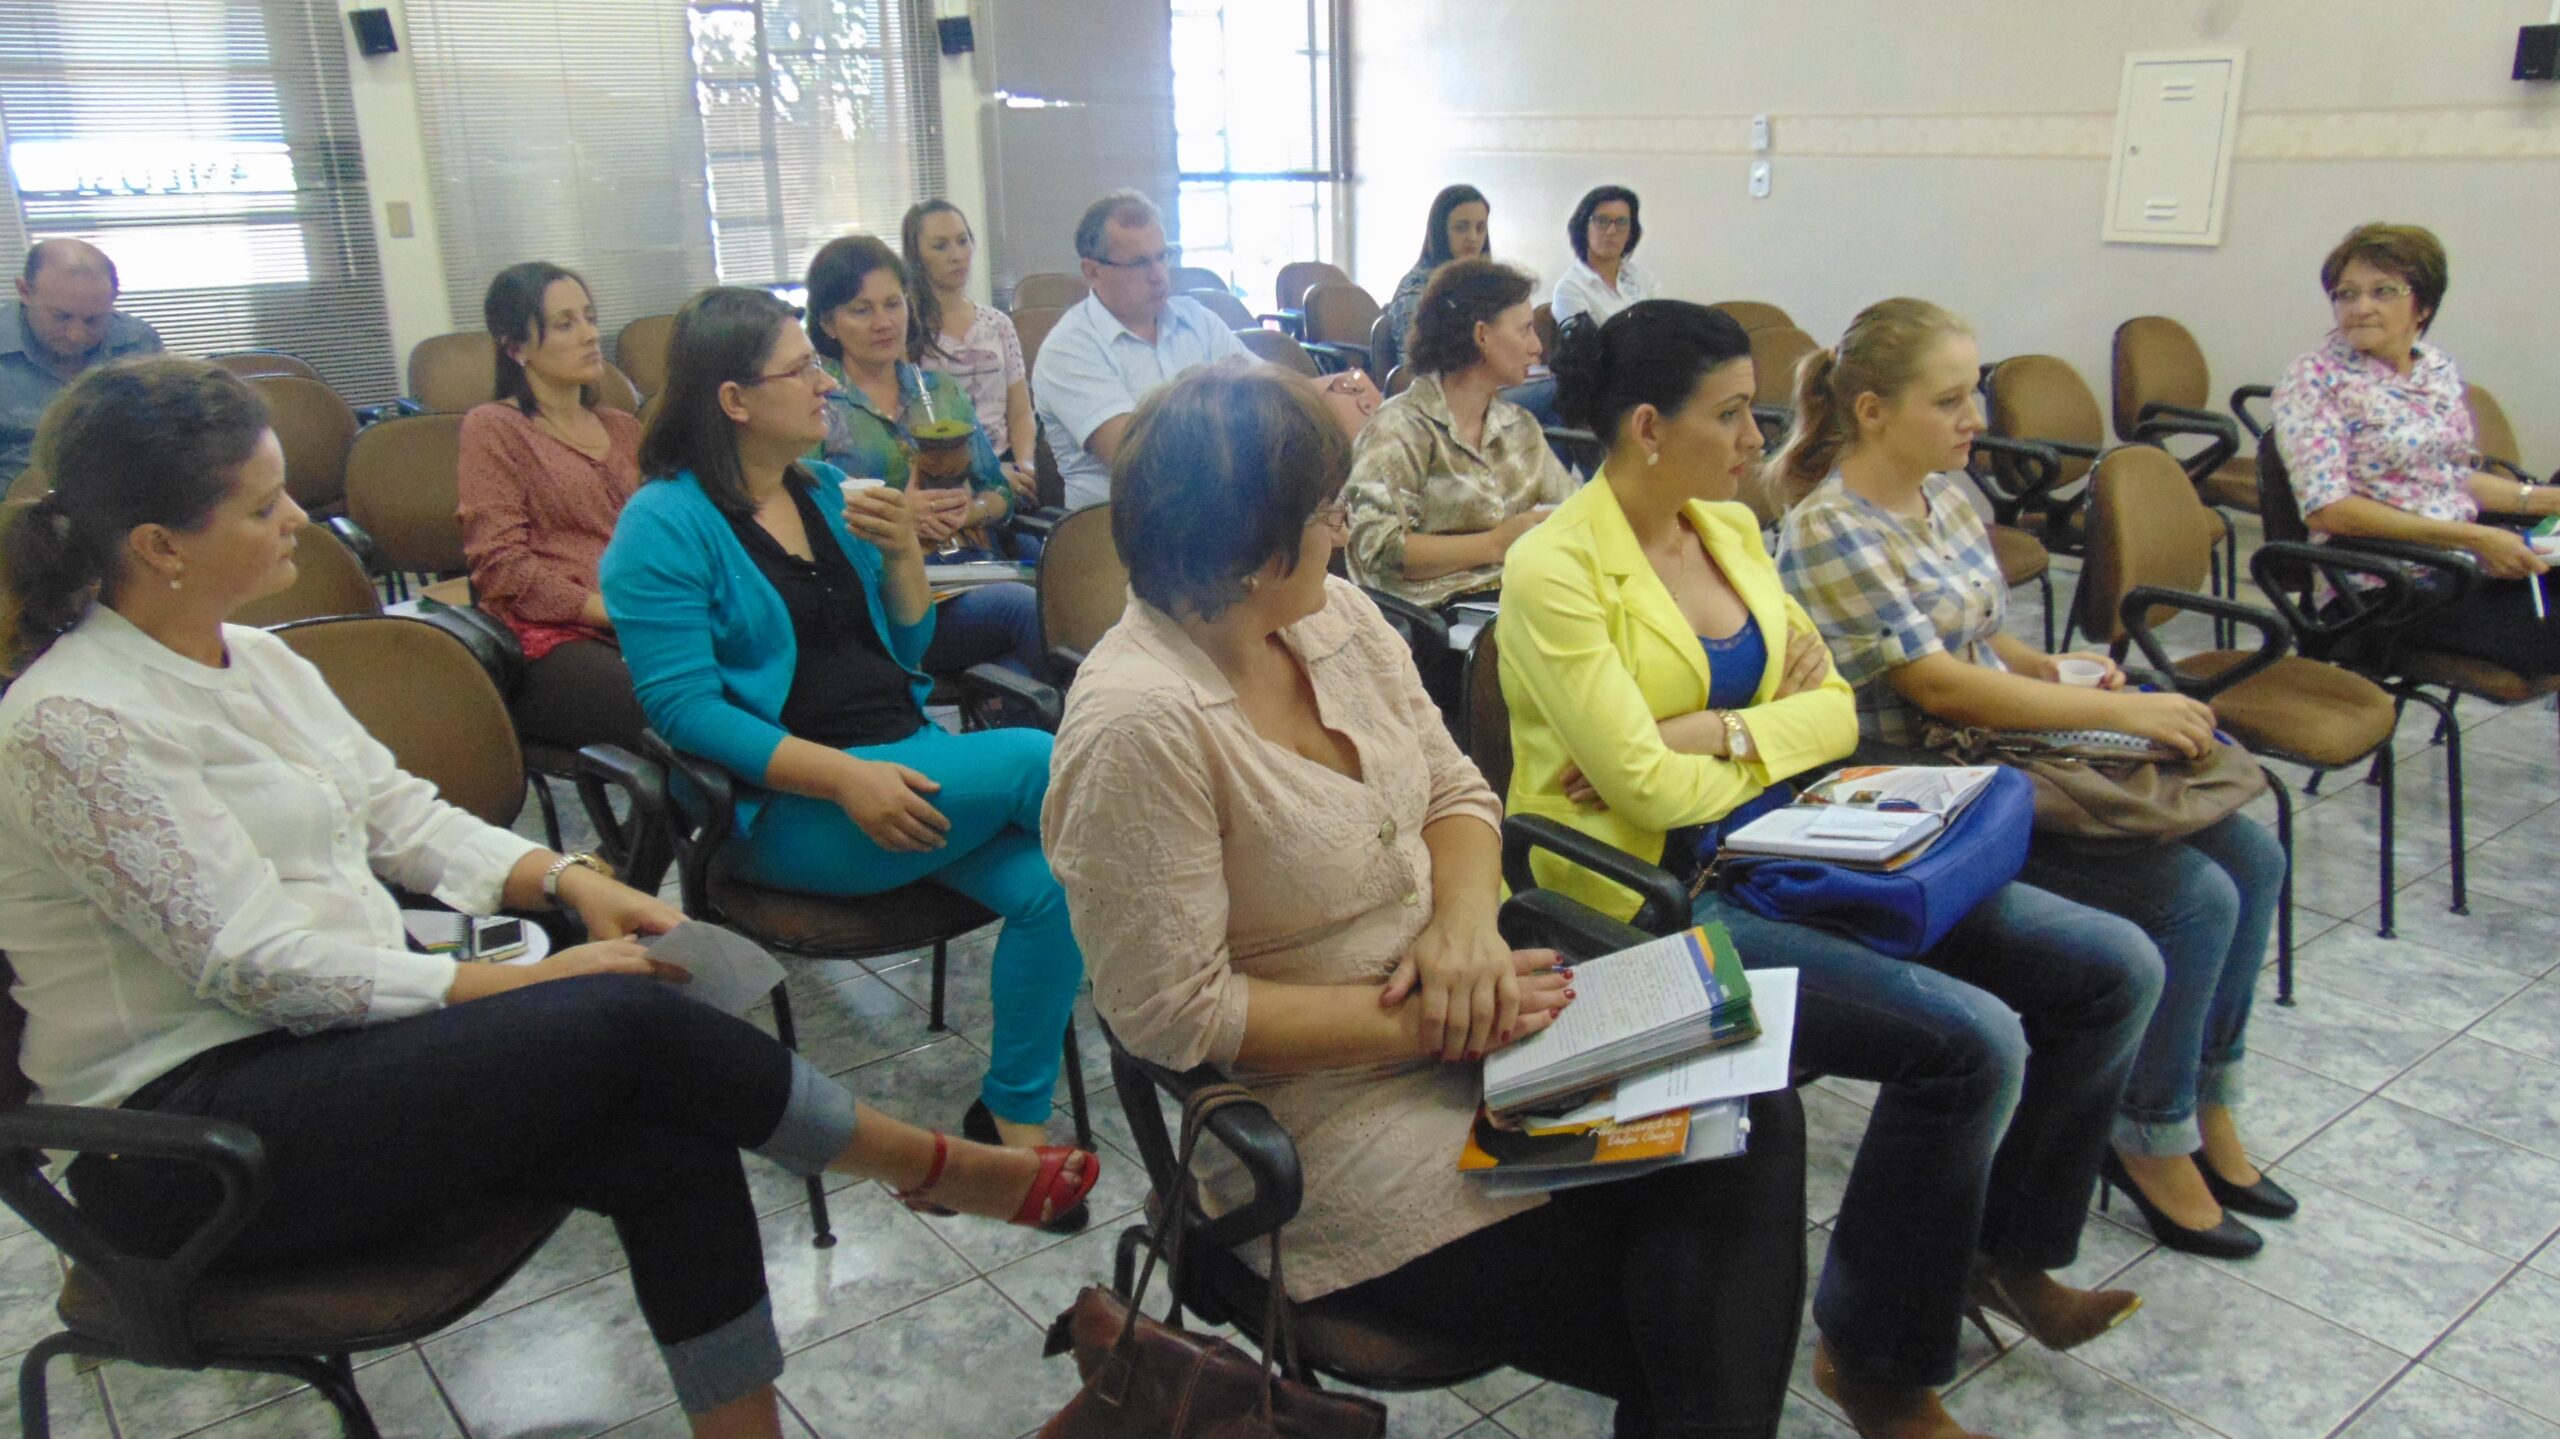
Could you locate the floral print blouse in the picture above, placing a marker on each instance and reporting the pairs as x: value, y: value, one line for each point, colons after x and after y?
x: 2348, y: 425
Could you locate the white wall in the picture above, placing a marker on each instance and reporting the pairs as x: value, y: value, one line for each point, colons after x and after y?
x: 1958, y: 150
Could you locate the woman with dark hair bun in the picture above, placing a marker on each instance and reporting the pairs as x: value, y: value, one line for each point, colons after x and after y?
x: 543, y: 475
x: 1663, y: 686
x: 1460, y: 227
x: 194, y: 836
x: 1448, y: 474
x: 1604, y: 277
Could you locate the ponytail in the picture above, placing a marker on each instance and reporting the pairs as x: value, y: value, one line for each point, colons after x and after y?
x: 1880, y: 355
x: 1822, y: 430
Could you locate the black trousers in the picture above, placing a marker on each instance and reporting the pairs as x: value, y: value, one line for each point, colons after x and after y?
x: 577, y: 695
x: 2496, y: 623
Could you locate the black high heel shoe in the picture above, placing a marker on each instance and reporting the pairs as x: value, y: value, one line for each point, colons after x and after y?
x: 2230, y: 1239
x: 2265, y: 1199
x: 980, y: 1124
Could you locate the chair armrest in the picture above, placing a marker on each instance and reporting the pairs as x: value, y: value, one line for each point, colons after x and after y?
x: 2240, y: 401
x: 1064, y: 663
x: 2160, y: 421
x: 1037, y: 523
x: 2274, y: 637
x: 1344, y: 355
x: 2041, y: 465
x: 1292, y: 323
x: 2319, y: 632
x: 2508, y: 468
x: 1774, y: 419
x: 1542, y: 918
x: 704, y: 787
x: 1424, y: 631
x: 1665, y: 909
x: 487, y: 637
x: 358, y: 542
x: 1248, y: 1131
x: 610, y: 765
x: 994, y: 681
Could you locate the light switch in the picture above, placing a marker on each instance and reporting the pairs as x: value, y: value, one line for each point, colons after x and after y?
x: 396, y: 219
x: 1760, y: 133
x: 1759, y: 179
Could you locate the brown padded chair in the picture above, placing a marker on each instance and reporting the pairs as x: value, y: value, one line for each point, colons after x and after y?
x: 1339, y: 317
x: 1544, y: 319
x: 1032, y: 325
x: 2495, y: 436
x: 2150, y: 535
x: 1398, y: 380
x: 2158, y: 362
x: 1083, y: 589
x: 1196, y: 277
x: 1299, y: 276
x: 1484, y: 717
x: 328, y: 580
x: 401, y: 490
x: 2042, y: 399
x: 426, y: 697
x: 315, y: 429
x: 1225, y: 306
x: 1776, y: 351
x: 640, y: 351
x: 451, y: 373
x: 250, y: 364
x: 1754, y: 314
x: 1275, y: 348
x: 1050, y: 289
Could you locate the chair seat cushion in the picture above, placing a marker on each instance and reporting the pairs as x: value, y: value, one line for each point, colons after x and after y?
x: 845, y: 926
x: 2022, y: 556
x: 2298, y: 709
x: 366, y: 1303
x: 1369, y: 1350
x: 2462, y: 673
x: 2234, y: 486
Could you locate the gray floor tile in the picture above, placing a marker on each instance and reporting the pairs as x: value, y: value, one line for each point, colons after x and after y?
x: 1803, y: 1421
x: 2287, y: 1104
x: 2368, y: 1269
x: 2508, y: 933
x: 164, y: 1403
x: 1045, y: 1284
x: 1832, y: 1128
x: 1860, y: 1092
x: 2523, y: 733
x: 576, y: 1363
x: 932, y: 1086
x: 404, y: 1401
x: 2490, y: 1088
x: 2449, y: 991
x: 2236, y: 1358
x: 884, y: 1258
x: 1485, y: 1429
x: 75, y: 1405
x: 966, y: 1003
x: 2528, y: 1023
x: 2499, y: 791
x: 2033, y: 1393
x: 1489, y: 1392
x: 856, y: 1020
x: 2517, y: 864
x: 1424, y: 1414
x: 2342, y: 880
x: 2107, y: 1249
x: 2427, y: 1405
x: 1553, y: 1411
x: 30, y: 1280
x: 2340, y: 1036
x: 962, y: 1362
x: 776, y: 1189
x: 2453, y: 1179
x: 1091, y: 1047
x: 584, y: 1248
x: 2511, y: 1345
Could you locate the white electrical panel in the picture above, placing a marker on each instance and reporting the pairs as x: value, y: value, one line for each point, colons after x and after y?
x: 2176, y: 121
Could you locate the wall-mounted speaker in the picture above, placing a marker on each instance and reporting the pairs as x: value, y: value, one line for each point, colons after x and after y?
x: 373, y: 32
x: 959, y: 37
x: 2538, y: 52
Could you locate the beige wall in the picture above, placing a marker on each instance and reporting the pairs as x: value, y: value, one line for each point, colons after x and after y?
x: 1957, y: 149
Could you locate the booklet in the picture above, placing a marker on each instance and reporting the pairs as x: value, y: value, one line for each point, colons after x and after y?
x: 1865, y: 814
x: 1507, y: 1161
x: 729, y: 973
x: 1641, y: 1007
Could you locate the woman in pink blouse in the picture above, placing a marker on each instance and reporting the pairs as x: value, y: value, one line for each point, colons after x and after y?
x: 544, y: 473
x: 1277, y: 862
x: 975, y: 344
x: 2380, y: 443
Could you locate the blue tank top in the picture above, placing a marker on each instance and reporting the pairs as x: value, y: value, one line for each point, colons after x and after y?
x: 1734, y: 664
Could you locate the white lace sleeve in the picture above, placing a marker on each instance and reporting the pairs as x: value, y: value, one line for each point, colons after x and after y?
x: 124, y: 814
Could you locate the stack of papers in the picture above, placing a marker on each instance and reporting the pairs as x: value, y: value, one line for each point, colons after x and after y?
x: 1639, y: 1008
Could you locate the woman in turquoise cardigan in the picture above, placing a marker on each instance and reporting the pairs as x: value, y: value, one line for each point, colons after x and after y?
x: 777, y: 626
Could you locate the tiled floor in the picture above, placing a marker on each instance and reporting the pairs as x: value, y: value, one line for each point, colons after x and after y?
x: 2412, y: 1099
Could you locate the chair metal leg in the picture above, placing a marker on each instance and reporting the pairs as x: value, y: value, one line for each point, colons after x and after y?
x: 35, y: 1411
x: 822, y: 1233
x: 1075, y: 1090
x: 941, y: 967
x: 335, y: 1378
x: 2284, y: 899
x: 2386, y: 767
x: 550, y: 810
x: 2044, y: 583
x: 2453, y: 810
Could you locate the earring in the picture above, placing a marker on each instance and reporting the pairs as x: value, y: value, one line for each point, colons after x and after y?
x: 1252, y: 583
x: 1654, y: 459
x: 176, y: 582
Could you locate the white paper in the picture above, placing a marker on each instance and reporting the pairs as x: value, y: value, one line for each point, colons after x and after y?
x: 730, y: 974
x: 1757, y: 1067
x: 1630, y: 992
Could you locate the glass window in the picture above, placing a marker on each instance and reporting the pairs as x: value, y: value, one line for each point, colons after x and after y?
x: 1258, y: 134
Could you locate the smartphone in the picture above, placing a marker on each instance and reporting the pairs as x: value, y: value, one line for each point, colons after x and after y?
x: 495, y: 939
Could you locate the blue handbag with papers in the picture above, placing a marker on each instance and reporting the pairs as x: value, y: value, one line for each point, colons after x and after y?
x: 1902, y: 909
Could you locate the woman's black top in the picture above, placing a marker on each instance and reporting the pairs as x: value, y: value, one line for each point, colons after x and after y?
x: 845, y: 690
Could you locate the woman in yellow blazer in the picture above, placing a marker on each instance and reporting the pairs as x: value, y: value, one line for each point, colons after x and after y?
x: 1659, y: 680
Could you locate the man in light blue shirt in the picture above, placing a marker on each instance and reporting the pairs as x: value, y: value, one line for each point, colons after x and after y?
x: 1128, y: 338
x: 63, y: 322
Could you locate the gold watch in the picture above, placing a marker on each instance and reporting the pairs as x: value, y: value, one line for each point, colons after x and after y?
x: 1737, y: 740
x: 560, y: 866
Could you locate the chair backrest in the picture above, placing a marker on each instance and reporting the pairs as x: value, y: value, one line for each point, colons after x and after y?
x: 2156, y: 361
x: 451, y: 373
x: 1195, y: 277
x: 1340, y: 312
x: 1082, y: 584
x: 1544, y: 318
x: 640, y: 351
x: 1577, y: 450
x: 328, y: 580
x: 1382, y: 336
x: 2280, y: 518
x: 1484, y: 719
x: 2039, y: 397
x: 1299, y: 276
x: 249, y: 364
x: 1399, y: 380
x: 2147, y: 526
x: 425, y: 697
x: 1275, y: 348
x: 2495, y: 436
x: 315, y: 428
x: 31, y: 484
x: 1776, y: 350
x: 1050, y: 289
x: 1229, y: 310
x: 1754, y: 314
x: 10, y: 510
x: 1033, y: 325
x: 401, y: 490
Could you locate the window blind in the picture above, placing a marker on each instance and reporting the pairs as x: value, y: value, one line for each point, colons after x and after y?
x: 209, y: 147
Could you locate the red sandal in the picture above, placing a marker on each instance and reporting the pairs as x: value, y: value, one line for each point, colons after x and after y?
x: 1050, y: 1188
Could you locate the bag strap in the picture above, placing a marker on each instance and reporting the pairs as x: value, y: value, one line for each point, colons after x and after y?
x: 1168, y: 1239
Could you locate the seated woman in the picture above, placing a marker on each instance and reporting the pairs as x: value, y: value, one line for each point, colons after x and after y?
x: 889, y: 420
x: 543, y: 474
x: 189, y: 839
x: 1660, y: 680
x: 1460, y: 228
x: 1448, y: 474
x: 1892, y: 561
x: 1282, y: 866
x: 2381, y: 445
x: 972, y: 343
x: 1604, y: 277
x: 777, y: 625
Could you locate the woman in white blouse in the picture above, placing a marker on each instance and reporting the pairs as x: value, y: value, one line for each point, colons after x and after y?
x: 974, y: 344
x: 190, y: 829
x: 1604, y: 277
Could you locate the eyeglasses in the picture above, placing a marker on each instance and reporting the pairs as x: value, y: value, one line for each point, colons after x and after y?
x: 1335, y: 516
x: 808, y: 370
x: 1613, y: 222
x: 2381, y: 294
x: 1164, y: 259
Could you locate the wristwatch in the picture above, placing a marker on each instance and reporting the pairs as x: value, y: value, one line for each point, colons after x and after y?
x: 560, y: 866
x: 1737, y: 740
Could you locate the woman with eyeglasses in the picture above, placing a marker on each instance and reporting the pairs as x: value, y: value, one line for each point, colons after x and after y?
x: 776, y: 619
x: 1605, y: 277
x: 2381, y: 445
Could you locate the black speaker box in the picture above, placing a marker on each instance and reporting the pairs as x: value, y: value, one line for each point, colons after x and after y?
x: 373, y: 32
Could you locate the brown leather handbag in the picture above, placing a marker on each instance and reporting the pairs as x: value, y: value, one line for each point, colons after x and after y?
x: 2097, y: 794
x: 1144, y: 1379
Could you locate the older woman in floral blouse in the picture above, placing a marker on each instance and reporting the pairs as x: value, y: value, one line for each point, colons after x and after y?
x: 2380, y: 443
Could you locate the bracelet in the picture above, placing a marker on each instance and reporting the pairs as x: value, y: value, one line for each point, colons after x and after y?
x: 560, y: 866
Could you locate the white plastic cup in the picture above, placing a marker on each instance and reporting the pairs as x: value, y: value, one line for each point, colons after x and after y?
x: 857, y: 486
x: 2080, y: 674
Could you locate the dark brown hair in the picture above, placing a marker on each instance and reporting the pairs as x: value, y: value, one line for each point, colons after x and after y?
x: 152, y: 440
x: 922, y: 302
x: 1219, y: 472
x: 2411, y: 252
x: 1461, y: 295
x: 836, y: 274
x: 513, y: 312
x: 721, y: 336
x: 1653, y: 352
x: 1578, y: 228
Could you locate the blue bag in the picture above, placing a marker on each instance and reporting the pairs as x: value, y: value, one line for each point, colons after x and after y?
x: 1900, y: 913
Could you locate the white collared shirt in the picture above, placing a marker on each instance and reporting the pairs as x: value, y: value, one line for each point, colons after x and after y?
x: 1580, y: 290
x: 1092, y: 371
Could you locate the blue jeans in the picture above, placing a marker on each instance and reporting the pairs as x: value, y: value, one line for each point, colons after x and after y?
x: 993, y: 784
x: 2208, y: 901
x: 992, y: 622
x: 2001, y: 1056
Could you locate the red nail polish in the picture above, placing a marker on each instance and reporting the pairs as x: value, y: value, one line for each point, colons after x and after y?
x: 1568, y: 994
